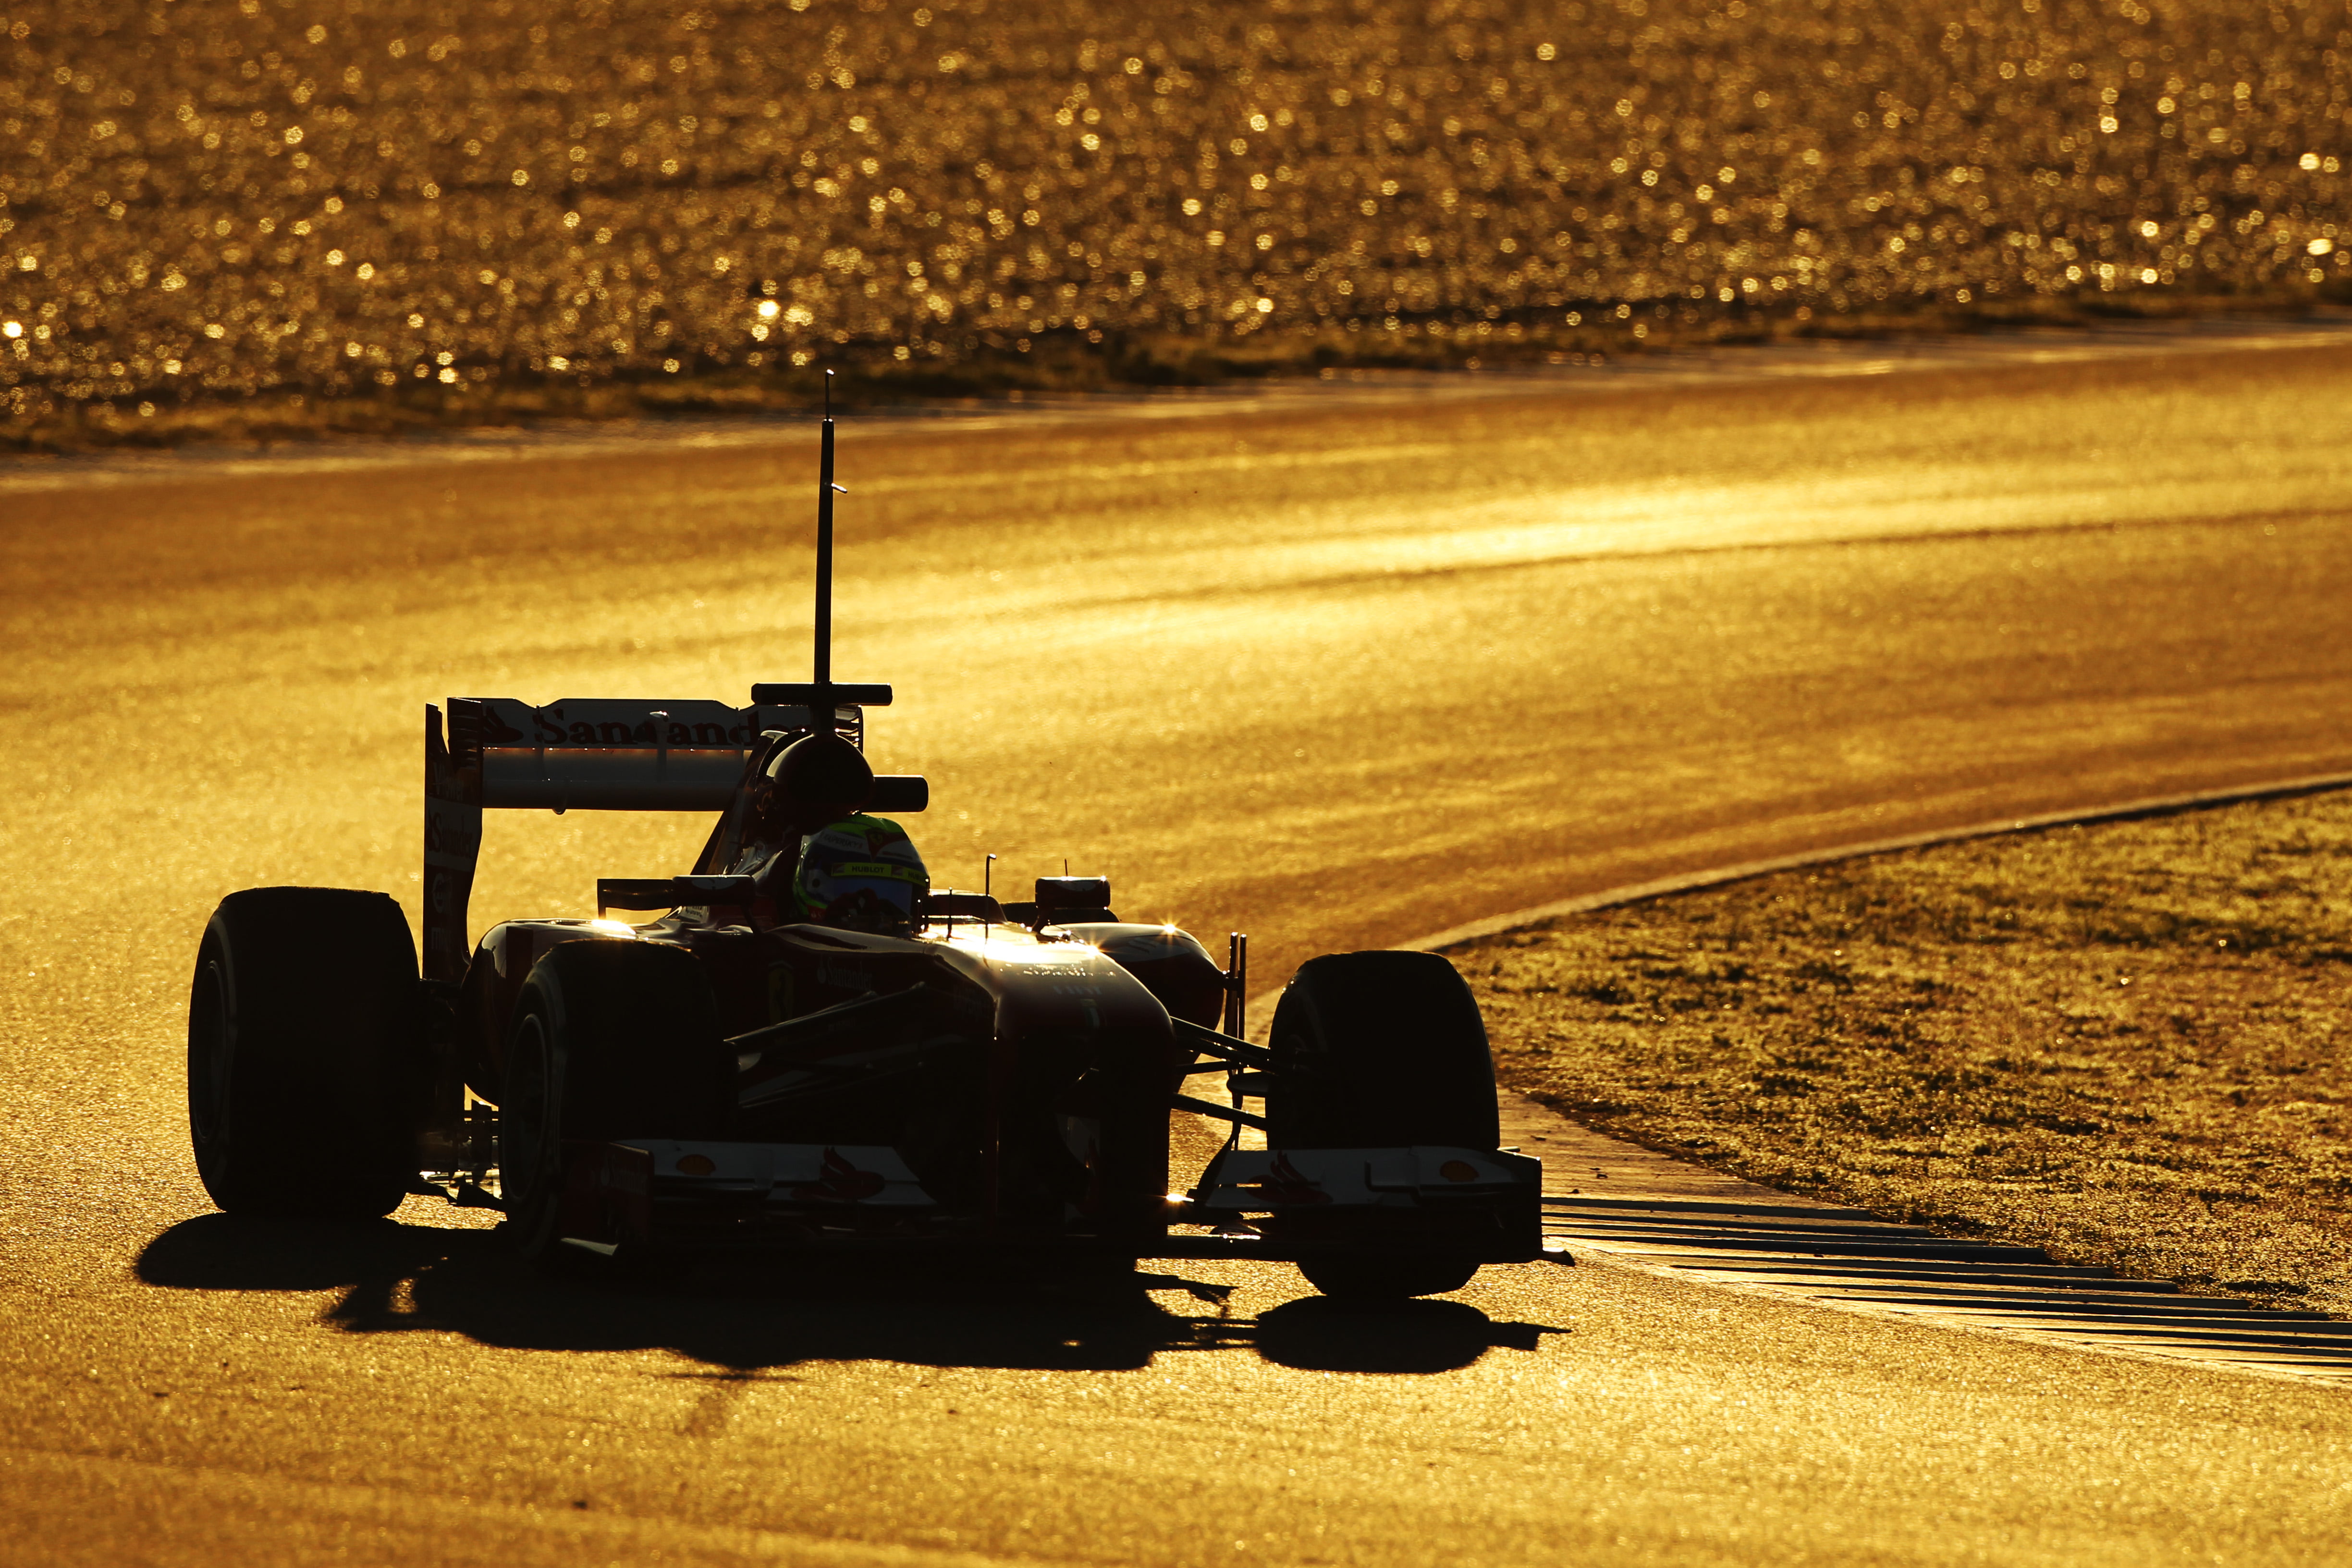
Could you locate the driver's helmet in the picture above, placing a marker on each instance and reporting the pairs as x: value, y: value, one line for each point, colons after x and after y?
x: 860, y: 873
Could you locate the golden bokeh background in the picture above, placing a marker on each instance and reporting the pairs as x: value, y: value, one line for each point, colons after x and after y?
x: 424, y: 203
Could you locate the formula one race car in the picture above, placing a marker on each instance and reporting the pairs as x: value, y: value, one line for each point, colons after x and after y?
x: 815, y: 1048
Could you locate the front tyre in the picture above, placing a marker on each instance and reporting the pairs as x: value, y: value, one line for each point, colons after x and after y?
x: 612, y: 1038
x: 309, y: 1077
x: 1382, y: 1050
x: 1347, y: 1278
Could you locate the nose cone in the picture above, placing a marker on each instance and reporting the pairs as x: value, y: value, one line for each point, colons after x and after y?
x: 1171, y: 964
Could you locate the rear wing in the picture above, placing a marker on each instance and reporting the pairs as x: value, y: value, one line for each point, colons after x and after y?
x: 592, y: 754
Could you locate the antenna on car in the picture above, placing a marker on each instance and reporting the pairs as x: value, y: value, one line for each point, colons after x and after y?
x: 825, y: 491
x: 822, y: 697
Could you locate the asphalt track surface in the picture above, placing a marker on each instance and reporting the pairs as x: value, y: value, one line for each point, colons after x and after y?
x: 1338, y: 676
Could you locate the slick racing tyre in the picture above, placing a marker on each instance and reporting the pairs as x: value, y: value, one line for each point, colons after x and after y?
x: 612, y: 1038
x: 308, y: 1071
x: 1347, y: 1278
x: 1382, y: 1050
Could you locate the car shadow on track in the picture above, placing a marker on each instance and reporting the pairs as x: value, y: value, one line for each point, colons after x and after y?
x: 398, y: 1278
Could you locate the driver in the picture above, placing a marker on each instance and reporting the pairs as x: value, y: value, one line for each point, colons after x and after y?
x: 860, y: 873
x: 818, y: 856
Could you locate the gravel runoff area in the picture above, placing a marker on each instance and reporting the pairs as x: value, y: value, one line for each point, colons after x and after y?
x: 2129, y: 1043
x: 294, y: 213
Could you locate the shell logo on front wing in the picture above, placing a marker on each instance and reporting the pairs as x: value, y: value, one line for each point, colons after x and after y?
x: 839, y: 1181
x: 1286, y: 1185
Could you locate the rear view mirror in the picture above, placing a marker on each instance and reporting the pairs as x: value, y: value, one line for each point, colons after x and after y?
x: 670, y: 892
x: 899, y: 792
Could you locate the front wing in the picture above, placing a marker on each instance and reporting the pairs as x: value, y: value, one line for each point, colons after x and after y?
x: 1482, y: 1206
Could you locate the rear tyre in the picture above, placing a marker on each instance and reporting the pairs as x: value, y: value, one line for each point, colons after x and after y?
x: 309, y: 1075
x: 612, y: 1038
x: 1382, y: 1050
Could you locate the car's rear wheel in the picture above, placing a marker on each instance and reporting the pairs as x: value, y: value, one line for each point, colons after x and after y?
x: 612, y: 1038
x: 308, y: 1071
x: 1382, y: 1050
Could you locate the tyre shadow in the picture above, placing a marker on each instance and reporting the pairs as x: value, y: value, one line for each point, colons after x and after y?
x: 403, y: 1278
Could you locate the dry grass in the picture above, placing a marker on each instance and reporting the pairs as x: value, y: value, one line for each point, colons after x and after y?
x: 423, y: 210
x: 2130, y: 1043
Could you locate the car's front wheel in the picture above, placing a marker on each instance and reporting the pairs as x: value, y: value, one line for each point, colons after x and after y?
x: 611, y: 1039
x: 1382, y: 1050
